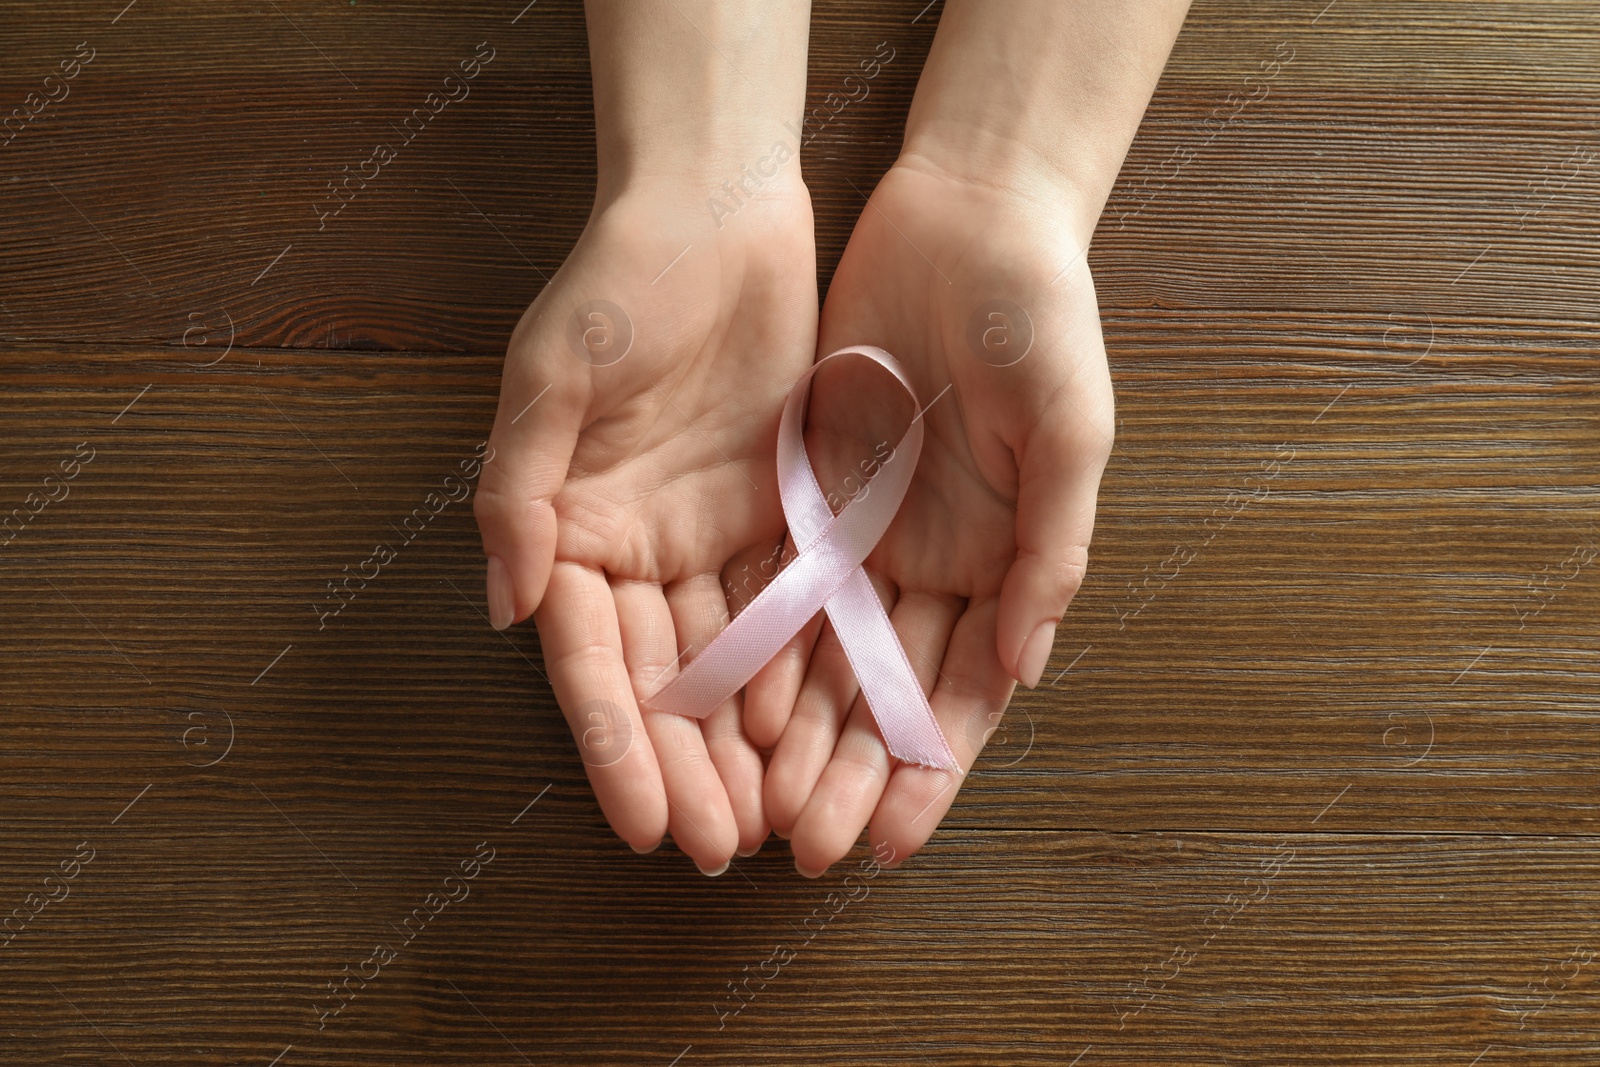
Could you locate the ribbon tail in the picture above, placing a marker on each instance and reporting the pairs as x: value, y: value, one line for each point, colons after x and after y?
x: 888, y: 682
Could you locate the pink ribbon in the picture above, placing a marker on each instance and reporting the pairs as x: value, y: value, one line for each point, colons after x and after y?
x: 826, y: 575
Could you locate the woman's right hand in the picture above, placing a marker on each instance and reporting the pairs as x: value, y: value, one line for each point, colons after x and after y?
x: 633, y: 464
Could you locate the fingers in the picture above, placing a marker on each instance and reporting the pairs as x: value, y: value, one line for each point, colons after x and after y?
x: 968, y: 701
x: 728, y: 813
x: 819, y: 714
x: 578, y: 630
x: 1058, y: 480
x: 649, y: 648
x: 854, y: 779
x: 535, y: 430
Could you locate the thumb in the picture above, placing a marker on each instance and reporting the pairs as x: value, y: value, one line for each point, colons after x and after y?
x: 535, y: 432
x: 1059, y: 472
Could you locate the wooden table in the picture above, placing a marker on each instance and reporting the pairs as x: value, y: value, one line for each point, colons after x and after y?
x: 1312, y: 779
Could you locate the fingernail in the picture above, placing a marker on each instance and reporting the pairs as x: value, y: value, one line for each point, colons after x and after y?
x: 1035, y: 654
x: 813, y: 875
x: 779, y: 834
x: 646, y: 850
x: 746, y: 853
x: 502, y: 598
x: 713, y: 874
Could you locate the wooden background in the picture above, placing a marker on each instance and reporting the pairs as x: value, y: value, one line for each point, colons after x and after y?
x: 1314, y: 777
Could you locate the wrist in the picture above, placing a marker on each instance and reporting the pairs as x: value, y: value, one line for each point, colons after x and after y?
x: 1043, y: 101
x: 1009, y: 171
x: 719, y: 167
x: 696, y: 204
x: 694, y: 92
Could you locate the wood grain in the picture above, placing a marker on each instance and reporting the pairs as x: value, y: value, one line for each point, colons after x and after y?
x: 1311, y: 779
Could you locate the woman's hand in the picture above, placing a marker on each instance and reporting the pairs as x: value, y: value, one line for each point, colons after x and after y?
x: 640, y: 399
x: 968, y: 266
x: 983, y: 295
x: 633, y: 460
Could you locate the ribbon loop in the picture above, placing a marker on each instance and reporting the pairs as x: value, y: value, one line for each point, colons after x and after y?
x: 826, y: 574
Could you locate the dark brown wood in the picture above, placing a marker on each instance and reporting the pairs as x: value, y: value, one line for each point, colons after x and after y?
x: 1312, y: 776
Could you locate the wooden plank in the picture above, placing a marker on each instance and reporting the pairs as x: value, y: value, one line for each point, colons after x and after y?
x: 213, y: 937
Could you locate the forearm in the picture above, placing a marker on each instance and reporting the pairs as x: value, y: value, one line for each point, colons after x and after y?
x: 688, y: 91
x: 1041, y: 97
